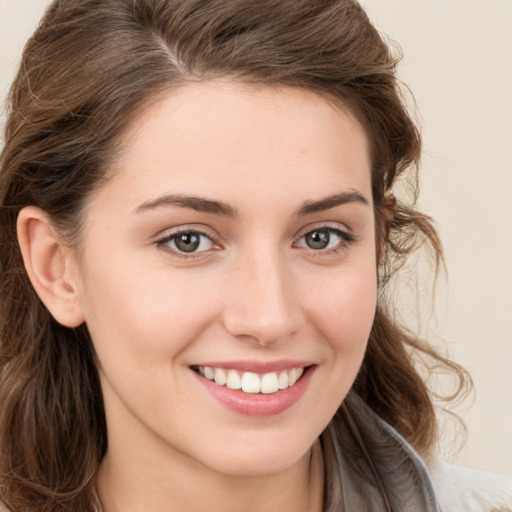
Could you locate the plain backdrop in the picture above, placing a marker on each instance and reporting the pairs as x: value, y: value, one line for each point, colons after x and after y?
x: 457, y: 62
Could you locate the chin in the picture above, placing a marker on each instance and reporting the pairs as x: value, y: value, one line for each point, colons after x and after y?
x: 259, y: 459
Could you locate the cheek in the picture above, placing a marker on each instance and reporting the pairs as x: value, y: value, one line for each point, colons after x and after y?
x: 342, y: 310
x: 142, y: 317
x: 346, y: 298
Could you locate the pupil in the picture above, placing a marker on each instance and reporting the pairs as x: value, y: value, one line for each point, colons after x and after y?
x: 318, y: 239
x: 187, y: 242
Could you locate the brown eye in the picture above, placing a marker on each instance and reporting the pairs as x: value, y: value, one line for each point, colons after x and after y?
x: 325, y: 238
x: 318, y: 239
x: 187, y: 242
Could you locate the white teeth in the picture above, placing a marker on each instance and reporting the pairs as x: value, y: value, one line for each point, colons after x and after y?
x: 233, y: 381
x: 219, y: 376
x: 269, y: 383
x: 250, y: 382
x: 282, y: 382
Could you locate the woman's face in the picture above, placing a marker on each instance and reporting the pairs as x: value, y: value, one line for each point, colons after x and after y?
x: 233, y: 241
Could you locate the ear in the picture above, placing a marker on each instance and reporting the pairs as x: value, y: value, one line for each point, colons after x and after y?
x: 50, y: 266
x: 389, y: 209
x: 390, y: 206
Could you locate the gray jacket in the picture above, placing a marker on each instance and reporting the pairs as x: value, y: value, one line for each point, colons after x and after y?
x: 416, y: 486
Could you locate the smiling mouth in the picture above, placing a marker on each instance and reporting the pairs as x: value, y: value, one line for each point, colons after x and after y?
x: 250, y: 382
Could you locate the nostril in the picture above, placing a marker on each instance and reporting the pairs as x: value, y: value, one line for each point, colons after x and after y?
x: 266, y: 331
x: 262, y: 304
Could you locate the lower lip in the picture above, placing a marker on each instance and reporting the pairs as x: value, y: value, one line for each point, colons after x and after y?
x: 258, y: 404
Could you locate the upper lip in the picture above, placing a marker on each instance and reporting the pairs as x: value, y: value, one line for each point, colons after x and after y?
x: 257, y: 366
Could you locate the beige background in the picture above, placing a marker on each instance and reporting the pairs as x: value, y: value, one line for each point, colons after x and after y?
x: 458, y: 64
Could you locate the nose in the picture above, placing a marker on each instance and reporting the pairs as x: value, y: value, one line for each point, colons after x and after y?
x: 262, y: 303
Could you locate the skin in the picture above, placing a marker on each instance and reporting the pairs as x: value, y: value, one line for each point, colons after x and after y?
x: 253, y: 291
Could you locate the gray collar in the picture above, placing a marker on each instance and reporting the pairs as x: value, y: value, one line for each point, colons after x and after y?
x: 400, y: 469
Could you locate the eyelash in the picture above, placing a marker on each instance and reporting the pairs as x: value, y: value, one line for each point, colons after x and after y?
x: 346, y: 240
x: 164, y: 242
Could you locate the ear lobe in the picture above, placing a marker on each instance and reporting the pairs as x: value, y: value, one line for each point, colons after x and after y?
x: 49, y: 266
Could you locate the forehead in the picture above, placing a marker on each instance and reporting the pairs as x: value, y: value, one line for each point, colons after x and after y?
x: 237, y: 141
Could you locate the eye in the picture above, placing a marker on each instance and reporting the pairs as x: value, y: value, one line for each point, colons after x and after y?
x: 187, y: 242
x: 325, y: 238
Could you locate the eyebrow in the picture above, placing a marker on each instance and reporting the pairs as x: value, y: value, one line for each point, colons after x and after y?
x: 199, y: 204
x: 204, y: 205
x: 326, y: 203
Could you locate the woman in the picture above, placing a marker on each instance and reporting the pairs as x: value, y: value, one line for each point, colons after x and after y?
x: 198, y: 227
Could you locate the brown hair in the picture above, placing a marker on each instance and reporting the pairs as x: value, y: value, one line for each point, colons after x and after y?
x: 89, y: 67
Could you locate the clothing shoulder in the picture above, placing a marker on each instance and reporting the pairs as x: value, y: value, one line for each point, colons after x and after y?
x: 461, y: 489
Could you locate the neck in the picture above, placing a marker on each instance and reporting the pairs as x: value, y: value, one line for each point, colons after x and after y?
x: 135, y: 483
